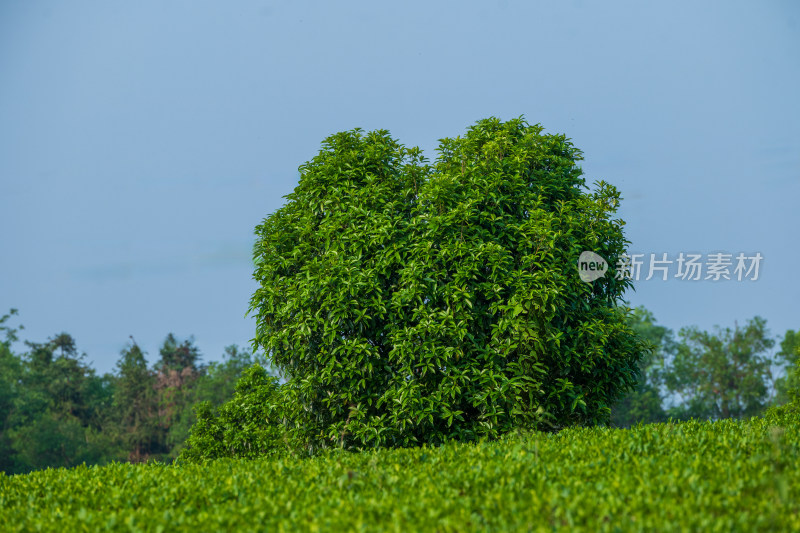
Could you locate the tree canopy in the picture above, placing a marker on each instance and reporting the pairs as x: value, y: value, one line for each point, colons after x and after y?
x: 410, y: 303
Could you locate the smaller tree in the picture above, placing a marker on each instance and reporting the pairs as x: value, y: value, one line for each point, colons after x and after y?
x: 252, y: 424
x: 216, y: 386
x: 176, y: 355
x: 722, y: 375
x: 9, y: 332
x: 176, y: 374
x: 788, y: 412
x: 135, y: 406
x: 645, y: 403
x: 10, y: 390
x: 57, y: 416
x: 788, y: 356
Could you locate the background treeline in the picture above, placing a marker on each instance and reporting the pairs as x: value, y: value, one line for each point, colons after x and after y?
x: 728, y: 373
x: 56, y: 411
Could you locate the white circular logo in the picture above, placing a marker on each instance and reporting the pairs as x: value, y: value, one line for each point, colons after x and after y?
x: 591, y: 266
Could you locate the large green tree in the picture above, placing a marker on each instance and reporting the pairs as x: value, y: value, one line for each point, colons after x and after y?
x: 409, y: 303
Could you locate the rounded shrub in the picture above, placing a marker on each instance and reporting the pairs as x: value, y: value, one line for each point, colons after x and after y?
x: 409, y: 303
x: 252, y: 424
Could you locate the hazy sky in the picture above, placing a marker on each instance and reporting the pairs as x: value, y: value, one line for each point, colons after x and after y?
x: 141, y: 142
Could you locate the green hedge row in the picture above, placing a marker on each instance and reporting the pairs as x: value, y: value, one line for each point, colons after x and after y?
x: 693, y: 476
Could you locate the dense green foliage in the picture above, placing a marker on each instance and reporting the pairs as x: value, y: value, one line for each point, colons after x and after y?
x: 731, y: 475
x: 409, y: 303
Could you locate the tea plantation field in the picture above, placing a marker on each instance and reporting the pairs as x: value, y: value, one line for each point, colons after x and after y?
x: 692, y: 476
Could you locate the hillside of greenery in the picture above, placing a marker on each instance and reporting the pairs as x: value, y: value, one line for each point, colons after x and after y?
x: 728, y: 475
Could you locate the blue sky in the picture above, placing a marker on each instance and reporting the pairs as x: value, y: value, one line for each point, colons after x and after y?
x: 141, y: 142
